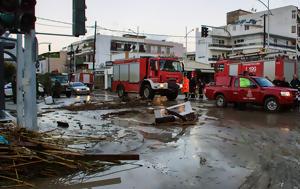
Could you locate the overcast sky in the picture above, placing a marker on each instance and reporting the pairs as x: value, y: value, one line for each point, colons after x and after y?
x: 152, y: 16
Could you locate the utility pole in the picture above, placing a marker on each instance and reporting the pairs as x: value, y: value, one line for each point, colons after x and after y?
x: 186, y: 41
x: 20, y: 76
x: 264, y: 43
x: 49, y: 50
x: 30, y: 107
x: 268, y: 25
x: 2, y: 95
x: 94, y: 50
x: 137, y: 42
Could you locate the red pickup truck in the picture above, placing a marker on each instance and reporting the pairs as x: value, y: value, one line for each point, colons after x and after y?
x: 241, y: 90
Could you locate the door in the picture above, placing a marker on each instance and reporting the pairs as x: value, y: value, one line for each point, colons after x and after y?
x: 153, y: 68
x: 248, y: 90
x: 234, y: 94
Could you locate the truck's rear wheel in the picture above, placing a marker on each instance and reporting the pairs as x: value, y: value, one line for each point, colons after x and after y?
x: 221, y: 101
x: 148, y: 93
x: 172, y: 96
x: 271, y: 105
x: 121, y: 91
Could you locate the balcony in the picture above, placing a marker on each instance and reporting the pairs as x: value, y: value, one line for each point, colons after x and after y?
x: 229, y: 47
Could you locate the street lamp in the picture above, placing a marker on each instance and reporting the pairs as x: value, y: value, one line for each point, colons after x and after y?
x: 137, y: 40
x: 269, y: 13
x: 49, y: 50
x: 186, y: 42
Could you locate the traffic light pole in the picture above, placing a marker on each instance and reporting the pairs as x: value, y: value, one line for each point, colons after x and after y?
x: 30, y: 107
x: 2, y: 96
x: 20, y: 76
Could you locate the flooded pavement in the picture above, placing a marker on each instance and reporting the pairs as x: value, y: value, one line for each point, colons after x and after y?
x: 225, y: 148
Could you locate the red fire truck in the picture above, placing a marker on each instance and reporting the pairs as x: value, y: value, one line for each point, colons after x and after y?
x: 148, y: 76
x: 274, y: 67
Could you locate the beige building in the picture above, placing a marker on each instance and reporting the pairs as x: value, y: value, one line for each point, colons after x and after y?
x: 57, y: 62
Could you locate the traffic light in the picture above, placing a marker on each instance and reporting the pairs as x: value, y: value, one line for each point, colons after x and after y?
x: 17, y: 16
x: 204, y: 31
x: 79, y: 18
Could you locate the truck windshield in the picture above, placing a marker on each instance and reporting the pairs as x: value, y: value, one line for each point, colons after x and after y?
x: 170, y: 66
x: 263, y: 82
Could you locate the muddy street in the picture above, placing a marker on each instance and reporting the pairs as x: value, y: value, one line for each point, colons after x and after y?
x: 225, y: 148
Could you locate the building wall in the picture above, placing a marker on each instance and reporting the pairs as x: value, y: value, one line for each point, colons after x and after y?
x: 58, y: 64
x: 247, y: 35
x: 233, y: 16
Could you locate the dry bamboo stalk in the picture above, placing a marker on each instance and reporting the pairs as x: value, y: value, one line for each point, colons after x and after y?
x: 17, y: 180
x: 17, y: 175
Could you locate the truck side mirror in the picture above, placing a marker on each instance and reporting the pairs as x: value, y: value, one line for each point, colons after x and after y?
x: 253, y: 86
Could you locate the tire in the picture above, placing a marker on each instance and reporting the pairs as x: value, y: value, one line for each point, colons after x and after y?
x: 68, y: 94
x: 221, y: 101
x: 172, y: 96
x: 271, y: 105
x: 147, y: 92
x: 121, y: 91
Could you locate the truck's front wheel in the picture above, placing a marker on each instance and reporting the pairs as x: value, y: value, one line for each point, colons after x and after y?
x: 148, y: 93
x: 121, y: 91
x: 221, y: 101
x: 271, y: 105
x: 172, y: 96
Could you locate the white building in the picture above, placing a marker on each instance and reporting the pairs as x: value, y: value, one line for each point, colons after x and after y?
x: 110, y: 48
x: 244, y: 33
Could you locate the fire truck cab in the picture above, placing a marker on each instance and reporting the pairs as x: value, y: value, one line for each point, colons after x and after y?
x: 148, y: 77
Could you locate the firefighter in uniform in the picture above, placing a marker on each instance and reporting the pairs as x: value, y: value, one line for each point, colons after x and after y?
x: 186, y: 87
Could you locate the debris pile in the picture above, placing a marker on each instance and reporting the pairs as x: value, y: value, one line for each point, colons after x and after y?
x: 104, y: 105
x: 25, y: 155
x: 182, y: 111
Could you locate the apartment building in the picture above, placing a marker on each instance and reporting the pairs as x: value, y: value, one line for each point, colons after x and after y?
x: 244, y: 33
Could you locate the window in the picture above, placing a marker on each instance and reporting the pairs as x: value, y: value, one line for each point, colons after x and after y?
x: 287, y: 43
x: 168, y: 50
x: 275, y: 41
x: 293, y: 14
x: 221, y: 42
x: 293, y: 29
x: 247, y: 27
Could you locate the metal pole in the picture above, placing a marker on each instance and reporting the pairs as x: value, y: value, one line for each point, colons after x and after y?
x: 186, y: 34
x: 2, y: 95
x: 30, y: 107
x: 268, y: 25
x: 94, y: 51
x: 137, y: 42
x: 49, y: 58
x: 264, y: 43
x: 20, y: 76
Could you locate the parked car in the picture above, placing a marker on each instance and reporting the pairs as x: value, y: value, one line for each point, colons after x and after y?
x: 9, y: 93
x: 241, y: 90
x: 79, y: 88
x: 8, y: 90
x: 41, y: 91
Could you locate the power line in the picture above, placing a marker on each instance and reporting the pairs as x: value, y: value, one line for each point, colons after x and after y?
x: 115, y: 30
x: 51, y: 20
x: 56, y: 26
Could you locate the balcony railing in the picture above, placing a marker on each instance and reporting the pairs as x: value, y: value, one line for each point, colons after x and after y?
x: 251, y: 44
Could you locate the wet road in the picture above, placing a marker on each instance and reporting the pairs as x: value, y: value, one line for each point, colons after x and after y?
x: 226, y: 148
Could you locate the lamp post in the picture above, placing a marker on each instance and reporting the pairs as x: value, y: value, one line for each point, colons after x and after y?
x: 186, y: 41
x: 49, y: 50
x: 269, y: 13
x: 137, y: 40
